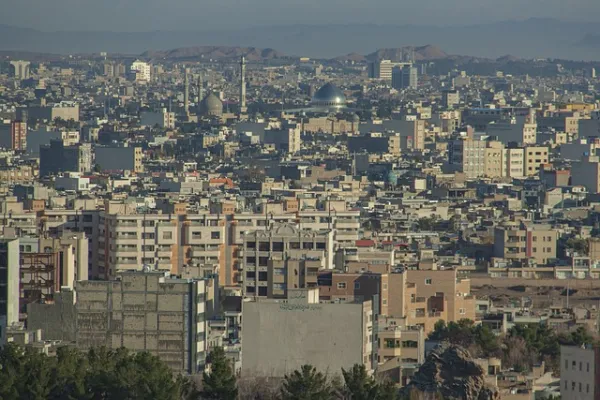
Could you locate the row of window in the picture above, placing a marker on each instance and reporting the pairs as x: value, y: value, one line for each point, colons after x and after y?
x: 574, y: 386
x: 574, y: 366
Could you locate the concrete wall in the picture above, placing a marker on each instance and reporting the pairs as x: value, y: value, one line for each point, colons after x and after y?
x: 278, y: 337
x: 57, y: 321
x: 115, y: 158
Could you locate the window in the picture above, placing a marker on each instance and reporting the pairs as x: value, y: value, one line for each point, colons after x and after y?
x: 566, y: 384
x: 580, y: 366
x: 356, y: 285
x: 573, y: 386
x: 566, y: 364
x: 341, y: 285
x: 385, y: 286
x: 588, y: 367
x: 215, y: 235
x: 461, y: 311
x: 587, y: 388
x: 580, y: 387
x: 167, y: 235
x: 428, y: 281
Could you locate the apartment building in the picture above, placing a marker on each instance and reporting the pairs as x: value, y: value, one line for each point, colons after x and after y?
x: 423, y: 297
x: 535, y: 158
x: 57, y: 157
x: 356, y: 286
x: 147, y: 311
x: 494, y: 159
x: 118, y: 158
x: 514, y: 162
x: 129, y: 240
x: 51, y: 265
x: 9, y: 284
x: 417, y: 297
x: 400, y: 349
x: 363, y: 258
x: 517, y: 130
x: 525, y: 242
x: 375, y: 143
x: 162, y: 118
x: 279, y: 336
x: 579, y: 372
x: 586, y: 173
x: 468, y: 156
x: 284, y: 257
x: 383, y: 69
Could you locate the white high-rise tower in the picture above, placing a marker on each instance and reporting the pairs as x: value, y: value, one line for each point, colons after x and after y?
x: 243, y: 108
x: 186, y: 93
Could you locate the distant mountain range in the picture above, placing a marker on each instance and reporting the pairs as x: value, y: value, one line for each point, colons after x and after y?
x: 214, y: 52
x: 529, y: 38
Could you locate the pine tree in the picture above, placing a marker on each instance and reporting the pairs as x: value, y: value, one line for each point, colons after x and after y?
x: 220, y: 382
x: 306, y: 384
x: 358, y: 385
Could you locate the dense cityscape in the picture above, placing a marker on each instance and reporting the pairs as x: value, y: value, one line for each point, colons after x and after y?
x: 235, y: 223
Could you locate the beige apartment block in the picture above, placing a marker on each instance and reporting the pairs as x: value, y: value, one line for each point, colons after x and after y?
x: 400, y: 349
x: 535, y: 158
x: 423, y: 297
x: 147, y: 311
x: 514, y: 162
x: 525, y: 242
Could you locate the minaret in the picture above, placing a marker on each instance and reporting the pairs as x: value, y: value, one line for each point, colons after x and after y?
x: 243, y: 108
x: 200, y: 89
x: 186, y: 93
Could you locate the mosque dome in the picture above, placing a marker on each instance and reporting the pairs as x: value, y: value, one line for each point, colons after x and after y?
x: 329, y: 96
x: 211, y: 105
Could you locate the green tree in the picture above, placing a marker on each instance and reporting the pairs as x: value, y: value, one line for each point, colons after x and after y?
x: 12, y: 370
x: 306, y: 384
x: 220, y: 382
x: 358, y: 385
x: 68, y: 376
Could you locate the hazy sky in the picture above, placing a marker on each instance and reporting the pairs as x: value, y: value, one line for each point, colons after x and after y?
x: 143, y: 15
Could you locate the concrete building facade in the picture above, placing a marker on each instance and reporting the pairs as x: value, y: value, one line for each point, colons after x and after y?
x: 279, y: 336
x: 147, y: 311
x: 579, y: 373
x: 284, y: 258
x: 112, y: 158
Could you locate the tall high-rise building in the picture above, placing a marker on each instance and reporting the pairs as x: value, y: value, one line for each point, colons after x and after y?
x: 405, y: 77
x: 141, y: 71
x: 9, y: 284
x: 186, y: 93
x: 13, y: 135
x: 382, y: 69
x: 200, y: 89
x: 243, y: 108
x: 21, y: 69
